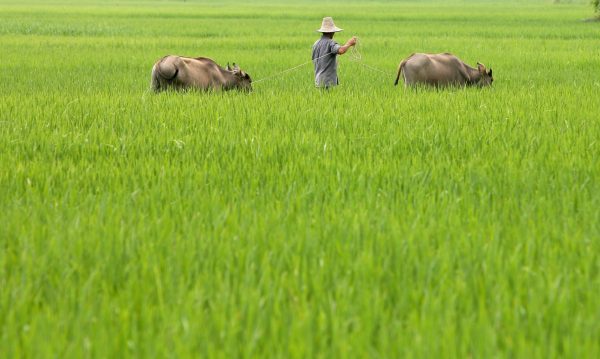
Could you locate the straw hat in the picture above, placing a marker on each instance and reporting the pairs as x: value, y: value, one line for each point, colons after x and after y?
x: 329, y: 26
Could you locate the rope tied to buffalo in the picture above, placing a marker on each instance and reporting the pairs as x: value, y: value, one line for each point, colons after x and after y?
x: 354, y: 55
x: 290, y: 69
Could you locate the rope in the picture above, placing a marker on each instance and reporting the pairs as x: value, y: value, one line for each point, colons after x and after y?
x: 355, y: 56
x: 386, y: 73
x: 290, y: 69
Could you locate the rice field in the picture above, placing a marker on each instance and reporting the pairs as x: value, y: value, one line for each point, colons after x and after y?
x: 366, y: 221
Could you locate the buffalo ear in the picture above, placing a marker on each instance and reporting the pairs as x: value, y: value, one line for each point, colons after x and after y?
x: 235, y: 67
x: 481, y: 68
x: 228, y: 68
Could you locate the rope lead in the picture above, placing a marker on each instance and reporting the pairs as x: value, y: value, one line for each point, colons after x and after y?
x: 355, y: 56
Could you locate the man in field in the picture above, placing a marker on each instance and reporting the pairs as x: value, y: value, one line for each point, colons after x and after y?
x: 324, y: 54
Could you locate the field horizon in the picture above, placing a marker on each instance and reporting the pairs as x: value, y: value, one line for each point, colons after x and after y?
x: 366, y: 221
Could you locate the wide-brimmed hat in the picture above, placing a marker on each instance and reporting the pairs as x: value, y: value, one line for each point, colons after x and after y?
x: 328, y: 26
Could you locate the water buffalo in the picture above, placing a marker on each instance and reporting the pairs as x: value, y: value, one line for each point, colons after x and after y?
x: 441, y: 70
x: 179, y: 72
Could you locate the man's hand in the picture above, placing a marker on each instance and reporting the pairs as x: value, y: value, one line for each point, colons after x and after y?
x: 348, y: 44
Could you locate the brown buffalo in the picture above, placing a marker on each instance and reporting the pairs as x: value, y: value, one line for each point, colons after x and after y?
x: 179, y: 72
x: 442, y: 70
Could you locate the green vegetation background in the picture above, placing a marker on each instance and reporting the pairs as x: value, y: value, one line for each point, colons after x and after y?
x: 368, y: 221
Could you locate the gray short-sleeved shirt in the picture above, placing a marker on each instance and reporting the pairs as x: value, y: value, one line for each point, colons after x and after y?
x: 326, y: 66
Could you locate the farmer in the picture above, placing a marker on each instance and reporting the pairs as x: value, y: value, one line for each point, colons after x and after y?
x: 324, y: 53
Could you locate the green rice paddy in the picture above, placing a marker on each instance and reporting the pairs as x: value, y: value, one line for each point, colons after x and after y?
x: 367, y: 221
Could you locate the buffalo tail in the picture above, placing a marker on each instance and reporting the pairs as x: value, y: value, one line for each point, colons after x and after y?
x: 400, y: 70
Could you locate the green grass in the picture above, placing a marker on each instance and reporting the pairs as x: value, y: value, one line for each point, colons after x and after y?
x: 368, y: 221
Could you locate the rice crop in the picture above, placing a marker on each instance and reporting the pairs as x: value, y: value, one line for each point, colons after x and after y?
x: 365, y: 221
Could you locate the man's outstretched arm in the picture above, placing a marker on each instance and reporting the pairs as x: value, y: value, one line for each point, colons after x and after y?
x: 348, y: 44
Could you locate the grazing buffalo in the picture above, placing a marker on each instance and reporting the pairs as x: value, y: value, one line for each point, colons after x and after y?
x: 441, y: 70
x: 179, y: 72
